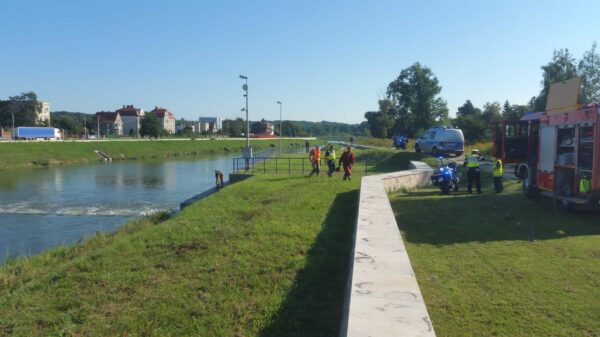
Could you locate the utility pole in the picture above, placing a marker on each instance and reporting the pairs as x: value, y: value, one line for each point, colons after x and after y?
x: 12, y: 132
x: 280, y: 124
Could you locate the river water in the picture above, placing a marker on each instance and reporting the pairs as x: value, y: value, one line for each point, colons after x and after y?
x: 43, y: 208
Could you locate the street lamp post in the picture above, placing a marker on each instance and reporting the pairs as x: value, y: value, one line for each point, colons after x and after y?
x: 12, y: 131
x: 247, y: 150
x: 280, y: 124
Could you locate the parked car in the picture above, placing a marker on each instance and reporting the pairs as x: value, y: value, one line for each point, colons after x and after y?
x: 441, y: 140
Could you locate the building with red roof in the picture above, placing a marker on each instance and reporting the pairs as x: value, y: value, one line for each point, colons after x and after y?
x: 131, y: 117
x: 110, y: 123
x: 166, y: 117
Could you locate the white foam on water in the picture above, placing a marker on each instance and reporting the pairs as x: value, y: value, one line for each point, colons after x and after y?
x: 20, y: 208
x: 27, y: 208
x: 101, y: 211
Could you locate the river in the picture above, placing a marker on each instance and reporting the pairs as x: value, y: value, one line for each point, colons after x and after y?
x: 43, y: 208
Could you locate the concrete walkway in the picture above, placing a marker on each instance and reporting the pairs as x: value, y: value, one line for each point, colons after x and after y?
x: 383, y: 297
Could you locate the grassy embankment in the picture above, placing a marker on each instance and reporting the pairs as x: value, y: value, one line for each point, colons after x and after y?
x: 41, y: 154
x: 265, y: 257
x: 374, y: 161
x: 480, y: 273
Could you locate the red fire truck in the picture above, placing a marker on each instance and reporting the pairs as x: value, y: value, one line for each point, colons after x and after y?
x: 555, y: 154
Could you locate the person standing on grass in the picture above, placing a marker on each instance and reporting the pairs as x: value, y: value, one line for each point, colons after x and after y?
x: 330, y: 158
x: 472, y: 165
x: 315, y: 158
x: 347, y: 160
x: 497, y: 173
x: 307, y: 145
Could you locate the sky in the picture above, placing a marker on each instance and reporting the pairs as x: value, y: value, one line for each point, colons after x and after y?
x: 324, y: 60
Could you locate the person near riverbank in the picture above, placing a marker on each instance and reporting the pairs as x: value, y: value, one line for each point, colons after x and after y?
x: 330, y: 158
x: 307, y: 145
x: 315, y: 158
x: 347, y: 160
x: 219, y: 178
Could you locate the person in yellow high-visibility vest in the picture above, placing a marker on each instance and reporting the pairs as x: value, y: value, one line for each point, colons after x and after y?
x: 497, y: 174
x: 330, y: 158
x: 585, y: 185
x: 472, y: 165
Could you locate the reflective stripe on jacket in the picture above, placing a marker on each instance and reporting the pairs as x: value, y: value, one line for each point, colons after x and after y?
x: 497, y: 171
x: 473, y: 161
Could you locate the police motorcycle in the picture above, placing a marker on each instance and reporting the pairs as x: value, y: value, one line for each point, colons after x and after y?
x: 400, y: 142
x: 446, y: 177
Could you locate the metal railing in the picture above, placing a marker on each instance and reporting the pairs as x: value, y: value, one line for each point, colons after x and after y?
x: 300, y: 165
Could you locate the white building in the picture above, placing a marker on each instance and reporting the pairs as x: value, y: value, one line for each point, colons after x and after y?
x: 43, y: 114
x: 131, y: 117
x: 166, y: 117
x: 210, y: 124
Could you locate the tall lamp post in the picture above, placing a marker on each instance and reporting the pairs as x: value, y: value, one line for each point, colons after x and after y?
x: 12, y: 131
x: 248, y: 149
x: 280, y: 124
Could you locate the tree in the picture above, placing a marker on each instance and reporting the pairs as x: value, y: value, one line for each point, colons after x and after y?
x: 491, y: 113
x: 24, y: 107
x: 473, y: 127
x: 467, y: 109
x: 589, y: 70
x: 561, y: 68
x: 418, y: 106
x: 150, y: 126
x: 514, y: 111
x: 69, y: 124
x: 234, y: 127
x: 380, y: 122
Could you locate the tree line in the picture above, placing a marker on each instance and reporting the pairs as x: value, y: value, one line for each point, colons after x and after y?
x: 23, y: 107
x: 77, y: 124
x: 413, y: 102
x: 237, y: 127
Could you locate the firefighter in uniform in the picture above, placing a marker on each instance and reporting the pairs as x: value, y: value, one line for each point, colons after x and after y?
x: 472, y: 165
x: 497, y: 174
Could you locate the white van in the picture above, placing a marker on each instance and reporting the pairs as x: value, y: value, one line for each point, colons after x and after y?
x: 441, y: 140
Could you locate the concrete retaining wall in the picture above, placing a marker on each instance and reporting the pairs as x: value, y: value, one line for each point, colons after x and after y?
x: 383, y: 297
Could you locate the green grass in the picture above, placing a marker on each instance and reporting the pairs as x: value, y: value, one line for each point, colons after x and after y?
x: 41, y: 154
x: 373, y: 161
x: 482, y: 275
x: 484, y: 147
x: 264, y: 257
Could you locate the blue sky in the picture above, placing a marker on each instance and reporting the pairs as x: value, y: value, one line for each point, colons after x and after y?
x: 325, y: 60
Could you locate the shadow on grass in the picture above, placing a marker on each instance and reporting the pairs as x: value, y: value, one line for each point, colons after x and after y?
x: 314, y: 305
x: 426, y: 216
